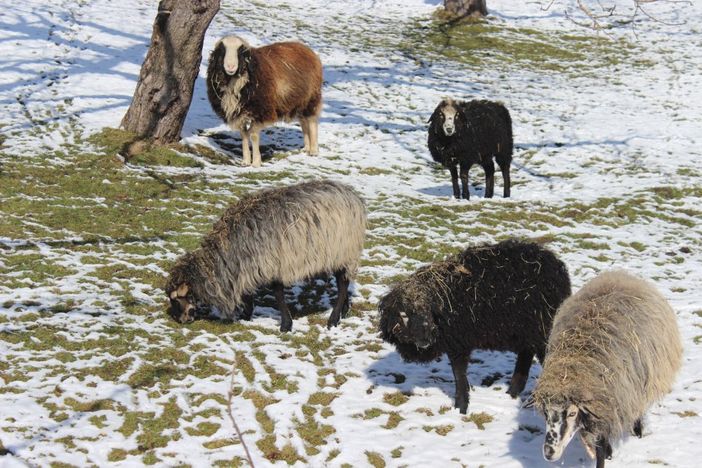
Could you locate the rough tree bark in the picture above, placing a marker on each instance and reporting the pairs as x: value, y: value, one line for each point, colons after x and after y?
x: 464, y: 8
x: 165, y: 87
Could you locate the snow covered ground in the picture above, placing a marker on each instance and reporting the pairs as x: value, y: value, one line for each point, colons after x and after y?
x: 608, y: 130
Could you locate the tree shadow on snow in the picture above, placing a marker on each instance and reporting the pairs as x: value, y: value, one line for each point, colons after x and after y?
x: 45, y: 24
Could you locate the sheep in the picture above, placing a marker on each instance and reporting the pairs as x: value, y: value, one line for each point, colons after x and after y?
x: 253, y: 87
x: 500, y: 297
x: 466, y: 133
x: 614, y: 350
x: 272, y: 237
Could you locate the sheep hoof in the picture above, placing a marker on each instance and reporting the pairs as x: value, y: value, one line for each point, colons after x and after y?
x: 332, y: 323
x: 638, y: 429
x: 285, y: 327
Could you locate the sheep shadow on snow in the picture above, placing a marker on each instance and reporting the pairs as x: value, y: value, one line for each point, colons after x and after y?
x: 314, y: 296
x: 274, y: 141
x: 488, y: 369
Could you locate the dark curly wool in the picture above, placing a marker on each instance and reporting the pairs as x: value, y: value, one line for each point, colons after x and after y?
x: 482, y: 131
x: 499, y: 297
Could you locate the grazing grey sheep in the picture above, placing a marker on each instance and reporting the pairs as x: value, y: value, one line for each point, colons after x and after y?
x: 614, y: 350
x: 272, y: 237
x: 253, y: 87
x: 466, y: 133
x: 500, y: 297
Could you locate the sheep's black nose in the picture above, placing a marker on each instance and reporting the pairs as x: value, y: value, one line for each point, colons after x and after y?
x: 423, y: 344
x: 548, y: 452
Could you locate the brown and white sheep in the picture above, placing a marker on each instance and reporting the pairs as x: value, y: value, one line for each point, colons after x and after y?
x: 251, y: 88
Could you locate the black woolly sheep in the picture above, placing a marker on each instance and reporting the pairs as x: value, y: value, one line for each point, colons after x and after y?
x: 272, y: 237
x: 253, y: 87
x: 499, y: 297
x: 466, y: 133
x: 614, y: 350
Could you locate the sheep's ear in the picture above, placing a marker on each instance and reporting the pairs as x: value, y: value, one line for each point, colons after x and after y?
x: 435, y: 115
x: 244, y: 55
x: 529, y: 402
x: 182, y: 290
x: 173, y: 294
x: 587, y: 413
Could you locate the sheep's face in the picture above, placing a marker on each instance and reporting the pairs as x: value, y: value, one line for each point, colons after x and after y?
x: 562, y: 422
x: 422, y: 330
x: 182, y: 304
x: 236, y: 55
x: 447, y: 117
x: 416, y: 327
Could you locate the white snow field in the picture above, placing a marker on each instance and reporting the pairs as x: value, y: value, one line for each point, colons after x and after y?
x: 608, y: 131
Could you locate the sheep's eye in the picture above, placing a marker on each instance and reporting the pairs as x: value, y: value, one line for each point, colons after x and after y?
x: 572, y: 414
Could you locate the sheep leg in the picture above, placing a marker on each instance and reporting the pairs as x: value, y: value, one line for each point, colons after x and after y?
x: 454, y: 181
x: 285, y: 317
x: 464, y: 181
x: 603, y: 450
x: 541, y: 355
x: 248, y: 307
x: 305, y: 124
x: 638, y: 428
x: 459, y: 365
x: 245, y: 153
x: 342, y: 300
x: 255, y: 140
x: 504, y: 167
x: 521, y: 373
x: 489, y: 168
x: 313, y: 124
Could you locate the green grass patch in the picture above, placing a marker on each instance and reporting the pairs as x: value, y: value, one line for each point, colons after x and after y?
x: 484, y: 44
x: 375, y: 459
x: 139, y: 151
x: 395, y: 399
x: 479, y: 419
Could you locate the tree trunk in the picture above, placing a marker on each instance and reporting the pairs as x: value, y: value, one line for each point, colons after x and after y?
x: 165, y: 87
x: 463, y: 8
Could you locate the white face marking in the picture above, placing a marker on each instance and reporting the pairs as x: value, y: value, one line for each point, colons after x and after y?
x: 405, y: 319
x: 561, y: 426
x: 231, y: 54
x: 449, y: 113
x: 182, y: 290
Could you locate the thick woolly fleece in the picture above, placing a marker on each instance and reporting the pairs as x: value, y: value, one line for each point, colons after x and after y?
x: 280, y: 235
x: 614, y: 350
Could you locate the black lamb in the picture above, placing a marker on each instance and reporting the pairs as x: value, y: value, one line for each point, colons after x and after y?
x: 499, y: 297
x: 466, y: 133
